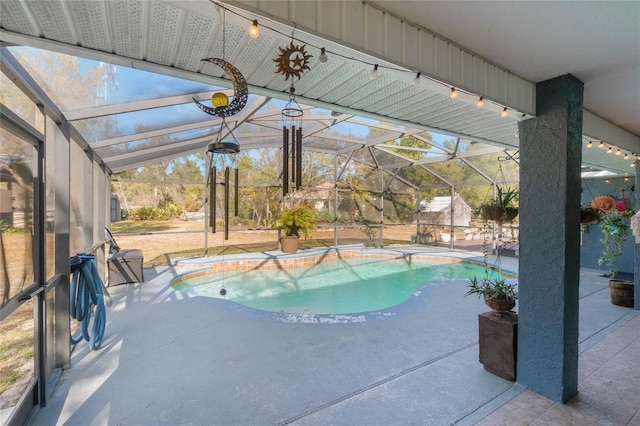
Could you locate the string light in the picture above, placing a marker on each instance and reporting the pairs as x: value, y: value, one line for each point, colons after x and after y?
x: 323, y: 58
x: 254, y: 31
x: 619, y: 152
x: 374, y: 73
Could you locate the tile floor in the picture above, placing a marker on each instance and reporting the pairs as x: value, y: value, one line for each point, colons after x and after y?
x: 609, y: 389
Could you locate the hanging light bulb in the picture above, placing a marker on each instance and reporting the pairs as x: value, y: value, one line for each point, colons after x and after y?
x: 589, y: 144
x: 254, y: 31
x: 416, y: 80
x: 607, y: 181
x: 374, y: 73
x: 626, y: 155
x: 632, y: 165
x: 323, y: 58
x: 601, y: 145
x: 454, y: 93
x: 610, y: 150
x: 480, y: 102
x: 504, y: 112
x: 618, y: 152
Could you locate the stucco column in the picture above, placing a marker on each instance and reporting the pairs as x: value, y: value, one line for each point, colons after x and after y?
x: 636, y: 253
x: 549, y: 262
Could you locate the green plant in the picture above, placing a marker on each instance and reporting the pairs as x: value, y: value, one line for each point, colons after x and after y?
x: 615, y: 230
x: 505, y: 197
x: 492, y: 288
x: 324, y: 216
x: 296, y: 216
x: 489, y: 287
x: 504, y: 207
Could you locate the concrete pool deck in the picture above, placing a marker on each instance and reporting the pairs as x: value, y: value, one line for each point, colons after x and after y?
x: 170, y: 359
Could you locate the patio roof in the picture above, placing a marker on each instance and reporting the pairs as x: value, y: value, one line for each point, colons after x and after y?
x: 158, y: 46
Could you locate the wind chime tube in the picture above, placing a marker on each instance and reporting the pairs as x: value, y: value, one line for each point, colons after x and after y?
x: 235, y: 194
x: 298, y: 140
x: 226, y: 203
x: 293, y: 156
x: 212, y: 195
x: 285, y: 161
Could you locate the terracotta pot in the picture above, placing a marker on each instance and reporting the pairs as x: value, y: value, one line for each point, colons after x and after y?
x: 289, y: 244
x: 621, y: 292
x: 500, y: 305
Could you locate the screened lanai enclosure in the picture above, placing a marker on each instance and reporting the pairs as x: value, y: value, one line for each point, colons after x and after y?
x: 112, y: 109
x: 357, y: 172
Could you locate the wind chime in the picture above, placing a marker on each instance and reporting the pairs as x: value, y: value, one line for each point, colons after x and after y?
x: 292, y: 61
x: 222, y: 157
x: 224, y: 148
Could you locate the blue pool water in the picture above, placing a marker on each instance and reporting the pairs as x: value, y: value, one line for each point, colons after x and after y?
x: 336, y: 287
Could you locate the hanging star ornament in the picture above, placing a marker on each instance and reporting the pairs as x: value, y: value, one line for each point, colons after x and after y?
x: 292, y: 61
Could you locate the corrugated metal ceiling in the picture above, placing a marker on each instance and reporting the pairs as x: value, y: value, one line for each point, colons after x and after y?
x: 171, y: 37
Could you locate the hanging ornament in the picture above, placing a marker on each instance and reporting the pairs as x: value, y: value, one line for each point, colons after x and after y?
x: 292, y: 61
x: 604, y: 203
x: 240, y: 92
x: 220, y: 101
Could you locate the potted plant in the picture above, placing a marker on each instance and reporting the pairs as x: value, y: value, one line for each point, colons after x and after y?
x: 615, y: 230
x: 503, y: 208
x: 497, y: 293
x: 588, y: 214
x: 424, y: 236
x: 497, y: 329
x: 296, y: 217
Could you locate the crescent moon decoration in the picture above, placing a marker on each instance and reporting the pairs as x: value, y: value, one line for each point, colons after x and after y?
x: 240, y: 91
x: 292, y: 61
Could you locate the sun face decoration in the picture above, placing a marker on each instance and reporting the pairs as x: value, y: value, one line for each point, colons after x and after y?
x: 292, y: 61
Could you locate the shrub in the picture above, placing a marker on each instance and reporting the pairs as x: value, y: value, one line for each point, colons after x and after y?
x: 324, y: 216
x: 168, y: 211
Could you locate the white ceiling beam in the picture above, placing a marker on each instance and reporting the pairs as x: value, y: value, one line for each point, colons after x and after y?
x: 378, y: 33
x: 599, y: 129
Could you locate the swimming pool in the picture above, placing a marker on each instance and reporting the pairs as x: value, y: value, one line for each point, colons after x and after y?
x: 339, y: 286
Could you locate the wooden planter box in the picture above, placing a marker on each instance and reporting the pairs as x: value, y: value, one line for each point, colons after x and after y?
x: 499, y: 343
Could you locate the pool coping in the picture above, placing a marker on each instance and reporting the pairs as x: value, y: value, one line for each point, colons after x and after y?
x: 307, y: 257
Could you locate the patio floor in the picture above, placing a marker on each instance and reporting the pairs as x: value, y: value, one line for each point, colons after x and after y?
x: 168, y: 358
